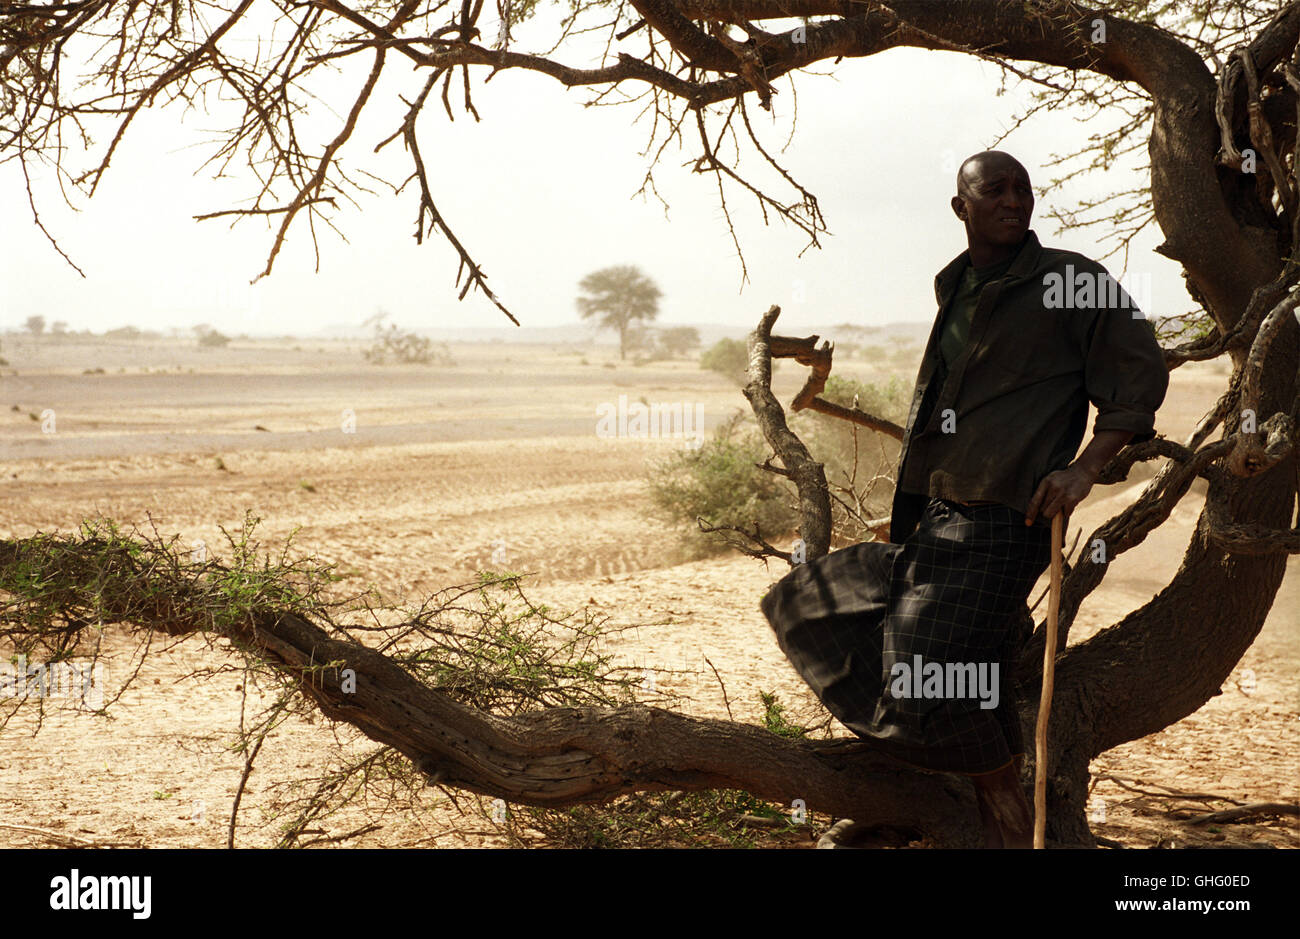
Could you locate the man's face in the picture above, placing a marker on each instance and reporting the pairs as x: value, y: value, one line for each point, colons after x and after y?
x: 995, y: 201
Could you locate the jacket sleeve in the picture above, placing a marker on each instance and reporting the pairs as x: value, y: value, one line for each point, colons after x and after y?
x: 1124, y: 369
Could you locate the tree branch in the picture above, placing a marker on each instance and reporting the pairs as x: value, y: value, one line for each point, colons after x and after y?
x: 808, y: 475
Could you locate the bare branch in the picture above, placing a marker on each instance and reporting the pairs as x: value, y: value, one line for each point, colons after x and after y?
x: 808, y: 475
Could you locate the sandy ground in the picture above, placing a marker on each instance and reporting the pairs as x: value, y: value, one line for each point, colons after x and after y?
x: 440, y: 469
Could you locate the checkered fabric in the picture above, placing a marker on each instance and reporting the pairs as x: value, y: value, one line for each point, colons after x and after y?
x: 949, y: 593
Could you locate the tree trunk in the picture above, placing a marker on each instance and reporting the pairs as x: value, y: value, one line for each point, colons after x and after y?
x: 1163, y: 661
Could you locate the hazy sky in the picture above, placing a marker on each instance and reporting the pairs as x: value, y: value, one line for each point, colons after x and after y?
x: 541, y: 194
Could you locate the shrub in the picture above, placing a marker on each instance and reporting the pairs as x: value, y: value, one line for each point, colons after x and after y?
x: 406, y: 348
x: 727, y: 357
x: 889, y: 401
x: 722, y: 481
x: 213, y: 339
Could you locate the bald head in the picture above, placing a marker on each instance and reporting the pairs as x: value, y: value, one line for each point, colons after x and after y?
x: 983, y: 164
x: 995, y: 201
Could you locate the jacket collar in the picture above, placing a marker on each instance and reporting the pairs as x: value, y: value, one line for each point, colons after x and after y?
x: 1022, y: 268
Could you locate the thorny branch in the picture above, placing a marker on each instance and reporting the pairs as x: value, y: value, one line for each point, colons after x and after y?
x: 67, y: 68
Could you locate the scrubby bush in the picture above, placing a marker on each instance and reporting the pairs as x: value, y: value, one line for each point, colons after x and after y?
x: 212, y: 339
x: 406, y: 348
x: 723, y: 483
x: 727, y: 357
x: 889, y: 401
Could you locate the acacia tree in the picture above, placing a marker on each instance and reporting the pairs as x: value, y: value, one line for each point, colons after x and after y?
x: 1211, y: 91
x: 619, y: 298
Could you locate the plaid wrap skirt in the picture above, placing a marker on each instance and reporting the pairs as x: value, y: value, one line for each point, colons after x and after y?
x: 886, y: 634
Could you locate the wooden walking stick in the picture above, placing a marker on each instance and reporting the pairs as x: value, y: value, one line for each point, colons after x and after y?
x: 1049, y: 673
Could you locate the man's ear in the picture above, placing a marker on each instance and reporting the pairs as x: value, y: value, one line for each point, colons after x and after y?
x: 959, y: 207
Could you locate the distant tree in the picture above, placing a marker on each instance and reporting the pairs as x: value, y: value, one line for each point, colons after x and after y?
x: 59, y: 328
x: 619, y: 297
x: 35, y: 325
x: 209, y: 337
x: 679, y: 340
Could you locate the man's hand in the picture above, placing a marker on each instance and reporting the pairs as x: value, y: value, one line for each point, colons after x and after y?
x: 1063, y: 490
x: 1060, y: 492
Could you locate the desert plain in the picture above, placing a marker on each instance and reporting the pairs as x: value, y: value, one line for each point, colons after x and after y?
x: 412, y: 478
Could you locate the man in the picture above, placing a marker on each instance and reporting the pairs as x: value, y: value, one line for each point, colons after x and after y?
x: 909, y: 644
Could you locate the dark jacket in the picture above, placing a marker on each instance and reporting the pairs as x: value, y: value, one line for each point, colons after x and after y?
x: 1014, y: 406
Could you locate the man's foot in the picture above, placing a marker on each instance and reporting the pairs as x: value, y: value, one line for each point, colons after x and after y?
x: 1004, y: 809
x: 845, y: 833
x: 992, y: 833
